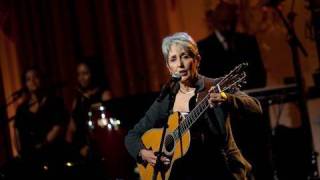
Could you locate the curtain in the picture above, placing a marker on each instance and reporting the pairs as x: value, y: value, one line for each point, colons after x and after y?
x: 124, y: 35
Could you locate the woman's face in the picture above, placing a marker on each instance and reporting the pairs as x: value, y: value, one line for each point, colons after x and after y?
x: 84, y: 75
x: 180, y: 61
x: 32, y: 81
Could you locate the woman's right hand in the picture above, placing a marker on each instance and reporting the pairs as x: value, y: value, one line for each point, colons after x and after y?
x: 148, y: 155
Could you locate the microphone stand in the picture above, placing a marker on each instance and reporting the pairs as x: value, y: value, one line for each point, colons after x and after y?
x: 296, y: 45
x: 314, y: 7
x: 4, y: 124
x: 173, y: 90
x: 3, y: 108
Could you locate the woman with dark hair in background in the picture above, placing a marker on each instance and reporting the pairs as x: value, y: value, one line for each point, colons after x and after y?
x: 90, y: 92
x: 38, y: 124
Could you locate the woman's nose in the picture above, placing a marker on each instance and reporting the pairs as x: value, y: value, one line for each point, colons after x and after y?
x: 180, y: 63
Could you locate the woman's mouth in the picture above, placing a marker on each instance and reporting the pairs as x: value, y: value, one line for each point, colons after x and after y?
x: 183, y: 73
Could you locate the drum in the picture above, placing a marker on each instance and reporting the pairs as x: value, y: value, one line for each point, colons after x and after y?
x: 107, y: 138
x: 99, y: 118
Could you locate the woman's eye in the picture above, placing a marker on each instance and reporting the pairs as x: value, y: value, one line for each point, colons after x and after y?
x: 172, y: 59
x: 185, y: 56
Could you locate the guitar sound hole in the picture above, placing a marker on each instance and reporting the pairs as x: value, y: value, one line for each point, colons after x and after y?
x: 169, y: 143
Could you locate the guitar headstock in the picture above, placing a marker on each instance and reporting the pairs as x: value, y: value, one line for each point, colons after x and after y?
x: 234, y: 79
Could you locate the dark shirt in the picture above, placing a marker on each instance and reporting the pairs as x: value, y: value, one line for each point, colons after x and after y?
x: 33, y: 128
x: 218, y: 146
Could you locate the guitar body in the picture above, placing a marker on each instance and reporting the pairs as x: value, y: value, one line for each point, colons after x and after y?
x: 152, y: 139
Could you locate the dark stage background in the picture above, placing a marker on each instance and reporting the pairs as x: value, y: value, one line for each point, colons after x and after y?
x: 125, y: 36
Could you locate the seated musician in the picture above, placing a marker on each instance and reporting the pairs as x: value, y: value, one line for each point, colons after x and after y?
x: 90, y: 92
x: 213, y: 152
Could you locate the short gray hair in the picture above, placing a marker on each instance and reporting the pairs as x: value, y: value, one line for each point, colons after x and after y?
x: 181, y: 38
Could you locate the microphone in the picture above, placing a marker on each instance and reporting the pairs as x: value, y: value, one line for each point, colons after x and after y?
x: 176, y: 77
x: 170, y: 87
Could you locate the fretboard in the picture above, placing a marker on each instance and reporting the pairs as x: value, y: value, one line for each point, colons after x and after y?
x: 191, y: 118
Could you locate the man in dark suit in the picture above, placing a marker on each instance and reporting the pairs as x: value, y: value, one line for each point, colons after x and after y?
x: 223, y: 49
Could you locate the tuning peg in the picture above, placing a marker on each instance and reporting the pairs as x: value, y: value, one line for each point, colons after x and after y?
x: 245, y: 63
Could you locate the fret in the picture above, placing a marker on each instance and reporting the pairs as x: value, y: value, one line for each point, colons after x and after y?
x: 192, y: 118
x: 184, y: 127
x: 194, y: 111
x: 181, y: 129
x: 189, y: 120
x: 199, y: 110
x: 203, y: 105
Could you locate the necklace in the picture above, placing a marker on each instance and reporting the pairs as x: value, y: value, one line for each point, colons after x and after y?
x: 186, y: 92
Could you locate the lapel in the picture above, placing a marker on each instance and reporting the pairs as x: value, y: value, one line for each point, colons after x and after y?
x: 215, y: 118
x: 216, y: 43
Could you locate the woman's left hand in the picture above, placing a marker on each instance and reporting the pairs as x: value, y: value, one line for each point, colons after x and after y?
x: 216, y: 98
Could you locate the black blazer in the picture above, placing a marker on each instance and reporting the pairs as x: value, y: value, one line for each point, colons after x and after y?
x: 216, y: 61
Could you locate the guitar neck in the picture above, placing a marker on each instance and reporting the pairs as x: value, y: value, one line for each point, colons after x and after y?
x: 191, y: 118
